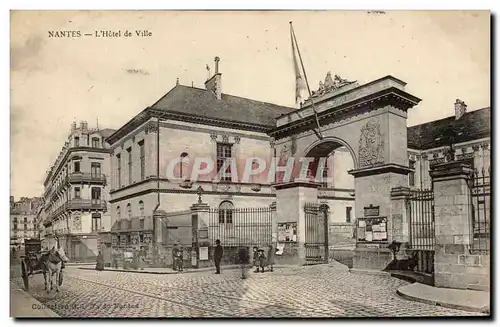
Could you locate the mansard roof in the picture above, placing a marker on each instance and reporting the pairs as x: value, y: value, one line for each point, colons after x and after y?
x: 202, y: 106
x: 472, y: 125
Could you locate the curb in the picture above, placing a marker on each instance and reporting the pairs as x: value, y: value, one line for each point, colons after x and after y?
x: 193, y: 270
x: 370, y: 272
x: 443, y: 304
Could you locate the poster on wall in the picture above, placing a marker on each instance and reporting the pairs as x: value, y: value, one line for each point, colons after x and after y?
x: 287, y: 232
x: 204, y: 253
x: 372, y: 229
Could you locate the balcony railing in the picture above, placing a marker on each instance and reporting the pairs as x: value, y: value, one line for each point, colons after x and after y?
x: 86, y: 177
x: 87, y: 204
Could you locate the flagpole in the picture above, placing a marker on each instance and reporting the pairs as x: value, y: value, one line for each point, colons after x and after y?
x: 307, y: 83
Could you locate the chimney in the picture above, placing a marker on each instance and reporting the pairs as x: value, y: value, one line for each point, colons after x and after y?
x: 214, y: 83
x: 460, y: 109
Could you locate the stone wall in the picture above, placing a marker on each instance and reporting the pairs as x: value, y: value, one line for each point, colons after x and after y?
x: 454, y: 269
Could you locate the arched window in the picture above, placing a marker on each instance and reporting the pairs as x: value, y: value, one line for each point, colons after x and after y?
x: 183, y: 155
x: 118, y: 212
x: 226, y: 212
x: 141, y: 208
x: 129, y: 211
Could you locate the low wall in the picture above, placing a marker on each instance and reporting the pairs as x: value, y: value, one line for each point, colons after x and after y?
x: 453, y: 269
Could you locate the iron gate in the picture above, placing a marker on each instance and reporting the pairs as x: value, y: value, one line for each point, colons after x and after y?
x: 422, y: 235
x: 316, y: 236
x: 240, y: 227
x: 480, y: 210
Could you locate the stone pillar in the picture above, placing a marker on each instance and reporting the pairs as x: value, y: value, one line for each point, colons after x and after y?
x: 200, y: 214
x: 400, y: 219
x: 452, y: 224
x: 157, y: 227
x: 151, y: 148
x: 274, y: 224
x: 290, y: 201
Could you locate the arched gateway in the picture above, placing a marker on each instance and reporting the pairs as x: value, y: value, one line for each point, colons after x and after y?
x: 370, y: 121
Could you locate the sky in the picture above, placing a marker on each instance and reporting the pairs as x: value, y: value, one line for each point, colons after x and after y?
x: 442, y: 55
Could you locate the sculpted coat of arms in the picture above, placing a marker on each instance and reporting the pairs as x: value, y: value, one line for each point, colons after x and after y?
x: 371, y: 145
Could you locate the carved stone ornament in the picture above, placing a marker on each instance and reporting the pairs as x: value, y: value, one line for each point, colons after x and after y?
x: 371, y: 145
x: 151, y: 128
x: 331, y: 84
x: 272, y: 142
x: 475, y: 147
x: 225, y: 138
x: 213, y: 136
x: 237, y: 139
x: 284, y: 154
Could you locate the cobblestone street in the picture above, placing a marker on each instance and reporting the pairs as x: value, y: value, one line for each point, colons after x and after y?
x: 315, y: 291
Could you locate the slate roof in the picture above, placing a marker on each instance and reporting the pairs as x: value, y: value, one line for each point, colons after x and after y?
x: 106, y: 132
x: 201, y: 102
x: 471, y: 126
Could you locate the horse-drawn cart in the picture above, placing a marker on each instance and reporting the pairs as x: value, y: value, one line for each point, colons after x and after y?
x: 32, y: 262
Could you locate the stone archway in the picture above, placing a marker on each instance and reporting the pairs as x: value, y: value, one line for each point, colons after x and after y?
x: 370, y: 121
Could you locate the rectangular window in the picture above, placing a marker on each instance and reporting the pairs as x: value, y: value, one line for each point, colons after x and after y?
x: 142, y: 158
x: 129, y: 150
x: 77, y: 141
x: 95, y: 169
x: 141, y: 223
x: 95, y: 142
x: 96, y: 195
x: 77, y: 193
x: 348, y: 212
x: 25, y: 226
x: 411, y: 175
x: 119, y: 172
x: 223, y: 155
x: 96, y: 222
x: 77, y: 166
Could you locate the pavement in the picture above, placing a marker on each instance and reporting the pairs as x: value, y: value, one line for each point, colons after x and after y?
x: 23, y: 305
x: 299, y: 292
x: 469, y: 300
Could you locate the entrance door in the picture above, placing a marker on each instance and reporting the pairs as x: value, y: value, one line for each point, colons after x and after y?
x: 316, y: 228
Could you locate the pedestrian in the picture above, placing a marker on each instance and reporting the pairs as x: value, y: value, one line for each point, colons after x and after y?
x: 255, y: 258
x: 142, y: 258
x: 175, y: 254
x: 262, y: 260
x: 244, y: 260
x: 270, y: 257
x: 100, y: 262
x: 180, y: 259
x: 218, y: 256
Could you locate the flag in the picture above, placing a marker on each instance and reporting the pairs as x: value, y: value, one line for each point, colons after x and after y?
x: 300, y: 85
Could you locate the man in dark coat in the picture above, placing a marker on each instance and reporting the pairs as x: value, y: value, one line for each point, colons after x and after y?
x: 100, y: 262
x: 218, y: 256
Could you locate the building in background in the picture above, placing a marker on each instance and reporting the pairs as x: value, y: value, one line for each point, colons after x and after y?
x: 23, y: 224
x: 77, y: 193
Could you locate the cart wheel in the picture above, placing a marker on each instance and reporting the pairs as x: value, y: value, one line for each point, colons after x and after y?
x: 60, y: 278
x: 24, y: 274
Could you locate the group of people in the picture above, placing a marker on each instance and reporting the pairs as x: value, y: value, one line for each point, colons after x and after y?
x: 259, y: 259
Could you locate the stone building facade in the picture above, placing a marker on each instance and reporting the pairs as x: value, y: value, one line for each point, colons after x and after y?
x: 77, y: 193
x: 196, y: 123
x: 23, y: 223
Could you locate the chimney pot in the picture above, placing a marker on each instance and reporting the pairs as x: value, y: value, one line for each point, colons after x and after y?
x: 460, y: 109
x: 217, y: 59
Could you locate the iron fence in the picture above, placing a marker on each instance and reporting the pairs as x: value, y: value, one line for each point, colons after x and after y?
x: 480, y: 210
x: 240, y: 227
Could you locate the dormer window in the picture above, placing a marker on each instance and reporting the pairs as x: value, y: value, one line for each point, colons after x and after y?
x: 95, y: 142
x: 77, y: 141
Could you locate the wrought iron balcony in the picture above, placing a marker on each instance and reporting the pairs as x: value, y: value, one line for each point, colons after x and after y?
x: 86, y: 178
x: 87, y: 204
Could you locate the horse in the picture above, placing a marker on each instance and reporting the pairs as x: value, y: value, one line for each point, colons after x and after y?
x: 52, y: 265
